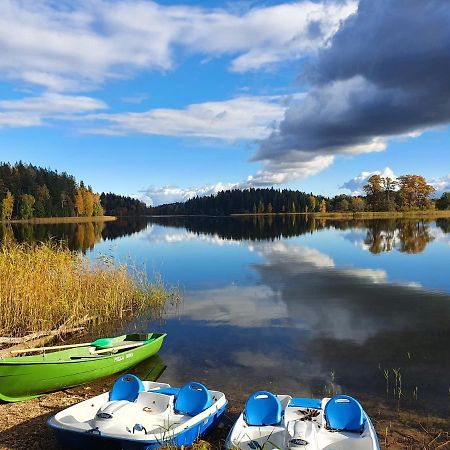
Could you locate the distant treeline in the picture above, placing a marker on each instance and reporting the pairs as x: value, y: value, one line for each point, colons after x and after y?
x: 27, y: 191
x: 406, y: 193
x: 245, y: 201
x: 120, y: 205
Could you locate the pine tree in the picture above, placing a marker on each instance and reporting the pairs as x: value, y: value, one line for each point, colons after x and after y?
x: 261, y: 207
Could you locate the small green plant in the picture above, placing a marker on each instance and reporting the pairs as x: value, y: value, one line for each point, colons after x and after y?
x: 330, y: 387
x: 398, y: 386
x: 386, y: 376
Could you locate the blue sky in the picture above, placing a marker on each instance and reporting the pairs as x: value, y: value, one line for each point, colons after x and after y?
x: 171, y: 99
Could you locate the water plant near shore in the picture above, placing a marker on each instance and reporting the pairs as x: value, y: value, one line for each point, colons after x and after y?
x: 45, y: 285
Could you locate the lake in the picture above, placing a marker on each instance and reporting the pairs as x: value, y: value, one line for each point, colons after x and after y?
x: 292, y: 304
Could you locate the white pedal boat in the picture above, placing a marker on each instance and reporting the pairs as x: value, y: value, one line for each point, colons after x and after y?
x: 280, y: 421
x: 139, y: 415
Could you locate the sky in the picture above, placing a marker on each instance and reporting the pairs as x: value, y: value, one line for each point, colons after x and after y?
x: 167, y: 100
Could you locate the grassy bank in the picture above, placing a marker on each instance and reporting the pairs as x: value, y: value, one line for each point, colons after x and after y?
x: 43, y: 286
x: 43, y: 220
x: 361, y: 215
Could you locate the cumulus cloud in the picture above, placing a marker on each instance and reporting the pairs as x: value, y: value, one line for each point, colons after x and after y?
x: 288, y: 169
x: 384, y: 74
x: 441, y: 184
x: 356, y: 184
x: 33, y: 111
x: 65, y: 45
x: 268, y: 176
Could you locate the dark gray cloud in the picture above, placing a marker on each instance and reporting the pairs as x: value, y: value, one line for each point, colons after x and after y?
x: 385, y: 73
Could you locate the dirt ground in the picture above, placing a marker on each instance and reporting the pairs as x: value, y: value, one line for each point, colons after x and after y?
x: 23, y: 425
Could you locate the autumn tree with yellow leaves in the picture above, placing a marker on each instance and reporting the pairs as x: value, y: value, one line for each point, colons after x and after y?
x: 87, y: 203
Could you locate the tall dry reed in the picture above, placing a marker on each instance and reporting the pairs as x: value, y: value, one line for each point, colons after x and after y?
x: 46, y: 285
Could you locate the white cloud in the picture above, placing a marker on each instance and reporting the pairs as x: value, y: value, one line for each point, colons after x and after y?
x: 289, y: 169
x: 169, y: 194
x: 54, y: 103
x: 33, y: 111
x: 356, y: 184
x: 247, y: 118
x: 18, y: 119
x: 240, y: 118
x: 441, y: 184
x: 268, y: 35
x: 269, y: 175
x: 70, y: 46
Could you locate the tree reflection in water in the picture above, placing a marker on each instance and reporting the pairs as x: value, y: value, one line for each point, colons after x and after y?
x: 405, y: 235
x: 78, y: 236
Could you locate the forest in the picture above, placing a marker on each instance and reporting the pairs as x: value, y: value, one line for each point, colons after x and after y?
x: 406, y: 193
x: 121, y: 205
x: 27, y: 191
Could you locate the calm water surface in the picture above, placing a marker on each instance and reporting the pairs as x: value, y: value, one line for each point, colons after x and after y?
x: 292, y: 305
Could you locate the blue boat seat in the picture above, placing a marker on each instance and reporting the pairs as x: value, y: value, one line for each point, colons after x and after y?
x: 344, y: 413
x: 127, y: 387
x: 192, y: 399
x: 262, y: 408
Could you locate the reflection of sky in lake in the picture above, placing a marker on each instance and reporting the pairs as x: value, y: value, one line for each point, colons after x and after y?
x: 192, y: 259
x: 284, y: 314
x: 182, y: 256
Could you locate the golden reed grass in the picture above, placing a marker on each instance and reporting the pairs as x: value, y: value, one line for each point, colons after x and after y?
x: 46, y: 285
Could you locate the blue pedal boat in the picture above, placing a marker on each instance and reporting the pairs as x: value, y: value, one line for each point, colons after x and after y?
x: 139, y: 415
x: 281, y: 422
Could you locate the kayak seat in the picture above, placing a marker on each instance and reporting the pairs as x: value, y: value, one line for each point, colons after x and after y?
x: 262, y: 408
x: 344, y: 413
x: 127, y: 387
x: 192, y: 399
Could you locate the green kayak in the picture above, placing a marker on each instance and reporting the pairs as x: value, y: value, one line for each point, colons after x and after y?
x: 22, y: 378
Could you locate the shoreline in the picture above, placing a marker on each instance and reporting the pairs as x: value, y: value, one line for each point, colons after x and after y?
x: 359, y: 215
x: 23, y: 424
x: 433, y: 214
x: 51, y: 220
